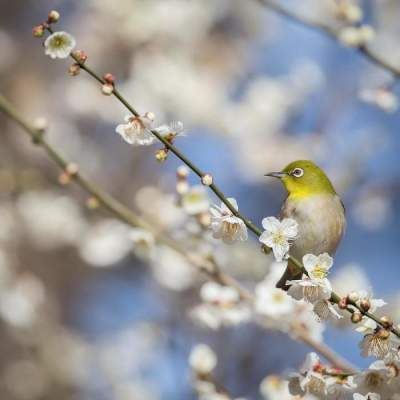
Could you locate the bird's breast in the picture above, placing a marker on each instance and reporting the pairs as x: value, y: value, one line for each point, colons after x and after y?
x: 321, y: 221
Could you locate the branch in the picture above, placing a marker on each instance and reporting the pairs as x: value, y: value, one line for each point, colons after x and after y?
x: 206, y: 266
x: 310, y: 23
x: 335, y: 298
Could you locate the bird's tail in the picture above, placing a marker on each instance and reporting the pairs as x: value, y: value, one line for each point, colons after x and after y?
x: 292, y: 272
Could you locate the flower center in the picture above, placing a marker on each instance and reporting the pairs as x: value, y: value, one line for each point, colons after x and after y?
x: 278, y: 297
x: 319, y: 272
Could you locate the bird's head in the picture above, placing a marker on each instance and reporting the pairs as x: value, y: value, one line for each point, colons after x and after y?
x: 303, y: 178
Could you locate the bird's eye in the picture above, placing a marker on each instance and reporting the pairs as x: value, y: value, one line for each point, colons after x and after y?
x: 297, y: 172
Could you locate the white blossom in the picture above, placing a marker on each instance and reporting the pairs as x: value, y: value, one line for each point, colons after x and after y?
x: 136, y: 130
x: 195, y: 201
x: 59, y: 45
x: 271, y: 301
x: 225, y: 225
x: 377, y: 344
x: 105, y: 243
x: 314, y: 287
x: 324, y: 309
x: 172, y: 270
x: 352, y: 36
x: 278, y: 235
x: 202, y: 359
x: 310, y: 378
x: 382, y: 98
x: 171, y: 130
x: 221, y: 306
x: 368, y: 396
x: 143, y: 242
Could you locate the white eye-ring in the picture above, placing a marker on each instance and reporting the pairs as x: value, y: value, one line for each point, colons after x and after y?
x: 298, y: 172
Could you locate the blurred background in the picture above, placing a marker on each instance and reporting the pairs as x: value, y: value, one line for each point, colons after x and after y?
x: 82, y: 316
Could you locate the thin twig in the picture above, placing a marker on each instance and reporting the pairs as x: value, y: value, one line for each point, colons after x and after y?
x: 311, y: 23
x: 217, y: 191
x: 126, y: 215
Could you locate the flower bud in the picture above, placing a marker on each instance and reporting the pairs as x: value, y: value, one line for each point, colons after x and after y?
x: 92, y: 203
x: 365, y: 305
x: 161, y: 155
x: 109, y: 78
x: 40, y: 124
x: 207, y: 179
x: 107, y: 89
x: 386, y: 322
x: 74, y: 69
x: 38, y: 31
x: 182, y: 172
x: 342, y: 304
x: 356, y: 317
x: 72, y: 169
x: 53, y: 17
x: 80, y: 56
x: 64, y: 179
x: 182, y: 187
x: 352, y: 297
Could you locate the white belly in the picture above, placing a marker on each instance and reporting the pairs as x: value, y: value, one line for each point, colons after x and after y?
x: 321, y: 222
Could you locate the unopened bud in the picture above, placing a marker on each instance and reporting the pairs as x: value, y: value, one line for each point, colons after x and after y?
x: 161, y: 155
x: 92, y: 203
x: 207, y: 179
x: 38, y: 31
x: 149, y: 115
x: 109, y: 78
x: 80, y: 56
x: 352, y: 297
x: 53, y: 16
x: 107, y: 89
x: 386, y: 322
x: 365, y: 305
x: 72, y: 169
x: 64, y: 179
x: 182, y: 187
x: 342, y: 304
x: 74, y: 69
x: 40, y: 124
x: 265, y: 249
x: 356, y: 317
x: 182, y: 172
x: 383, y: 334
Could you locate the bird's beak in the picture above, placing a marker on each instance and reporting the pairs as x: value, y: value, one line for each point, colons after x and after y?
x: 278, y: 175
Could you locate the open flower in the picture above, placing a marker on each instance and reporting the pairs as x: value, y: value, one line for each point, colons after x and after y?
x: 314, y: 287
x: 368, y: 396
x: 377, y: 344
x: 225, y: 225
x: 172, y: 130
x: 59, y: 45
x: 271, y: 301
x: 195, y: 201
x: 278, y: 235
x: 136, y: 130
x: 221, y: 306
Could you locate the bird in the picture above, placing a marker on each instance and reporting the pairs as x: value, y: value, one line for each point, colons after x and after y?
x: 318, y: 210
